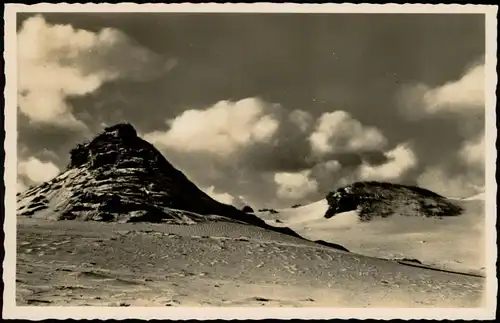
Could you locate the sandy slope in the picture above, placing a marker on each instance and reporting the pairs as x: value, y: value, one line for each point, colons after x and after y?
x: 214, y: 264
x: 455, y: 243
x: 480, y: 196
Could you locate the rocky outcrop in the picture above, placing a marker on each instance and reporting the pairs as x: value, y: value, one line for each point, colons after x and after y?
x: 373, y: 199
x: 247, y: 209
x: 120, y: 177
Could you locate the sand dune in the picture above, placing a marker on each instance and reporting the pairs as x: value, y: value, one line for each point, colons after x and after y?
x: 454, y: 243
x: 480, y: 196
x: 63, y: 263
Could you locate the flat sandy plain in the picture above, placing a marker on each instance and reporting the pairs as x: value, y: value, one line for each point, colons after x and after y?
x: 72, y: 263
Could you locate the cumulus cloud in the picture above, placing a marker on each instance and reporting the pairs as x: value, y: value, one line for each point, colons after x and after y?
x: 458, y: 97
x: 463, y: 94
x: 473, y: 152
x: 295, y: 186
x: 21, y: 186
x: 339, y: 132
x: 461, y: 171
x: 220, y: 129
x: 225, y: 198
x: 444, y: 178
x: 36, y: 170
x: 331, y: 166
x: 302, y: 119
x: 261, y: 151
x: 57, y: 62
x: 400, y: 160
x: 442, y: 182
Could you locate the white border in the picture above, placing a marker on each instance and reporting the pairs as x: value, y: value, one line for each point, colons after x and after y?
x: 10, y: 310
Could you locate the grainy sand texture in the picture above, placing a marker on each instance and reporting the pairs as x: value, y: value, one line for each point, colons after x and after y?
x: 217, y: 264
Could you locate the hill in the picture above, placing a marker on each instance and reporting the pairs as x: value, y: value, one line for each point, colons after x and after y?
x: 119, y: 177
x: 382, y: 199
x: 394, y: 222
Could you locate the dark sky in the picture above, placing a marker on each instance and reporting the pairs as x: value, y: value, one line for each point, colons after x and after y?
x: 358, y: 63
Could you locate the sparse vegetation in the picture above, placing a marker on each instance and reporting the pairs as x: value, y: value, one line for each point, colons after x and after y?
x: 385, y: 199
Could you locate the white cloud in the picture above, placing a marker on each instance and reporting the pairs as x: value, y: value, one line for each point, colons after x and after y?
x: 464, y: 99
x: 460, y: 97
x: 473, y: 152
x: 21, y: 186
x: 220, y: 129
x: 295, y: 185
x: 264, y: 129
x: 225, y: 198
x: 332, y: 165
x: 338, y: 132
x: 400, y: 160
x: 56, y: 62
x: 439, y: 181
x: 467, y: 93
x: 301, y: 119
x: 37, y: 171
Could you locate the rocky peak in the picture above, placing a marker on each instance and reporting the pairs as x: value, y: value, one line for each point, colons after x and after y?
x: 117, y: 176
x: 116, y: 141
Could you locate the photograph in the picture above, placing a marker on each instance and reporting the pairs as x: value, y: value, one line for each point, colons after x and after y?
x: 191, y: 161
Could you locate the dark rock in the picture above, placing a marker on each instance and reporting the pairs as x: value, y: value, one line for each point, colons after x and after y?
x: 35, y: 209
x: 122, y: 130
x: 117, y: 176
x: 247, y: 209
x: 40, y: 198
x: 331, y: 245
x: 120, y: 177
x: 272, y: 211
x: 385, y: 199
x: 79, y: 155
x: 416, y: 261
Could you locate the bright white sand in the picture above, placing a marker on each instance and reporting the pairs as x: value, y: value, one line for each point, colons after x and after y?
x: 455, y: 243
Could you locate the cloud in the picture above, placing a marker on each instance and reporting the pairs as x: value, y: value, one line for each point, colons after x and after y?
x: 220, y: 129
x: 21, y: 186
x: 467, y: 93
x: 462, y: 174
x: 459, y: 97
x: 400, y: 160
x: 226, y: 198
x: 37, y: 171
x: 338, y: 132
x: 220, y: 197
x: 473, y: 152
x: 331, y: 166
x: 295, y: 186
x: 302, y: 119
x: 458, y: 169
x: 442, y: 182
x: 262, y: 152
x: 58, y: 62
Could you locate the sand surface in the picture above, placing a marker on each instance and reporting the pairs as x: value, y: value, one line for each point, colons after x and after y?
x: 215, y: 264
x: 452, y: 243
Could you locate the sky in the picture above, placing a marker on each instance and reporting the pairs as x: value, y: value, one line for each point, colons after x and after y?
x: 268, y: 110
